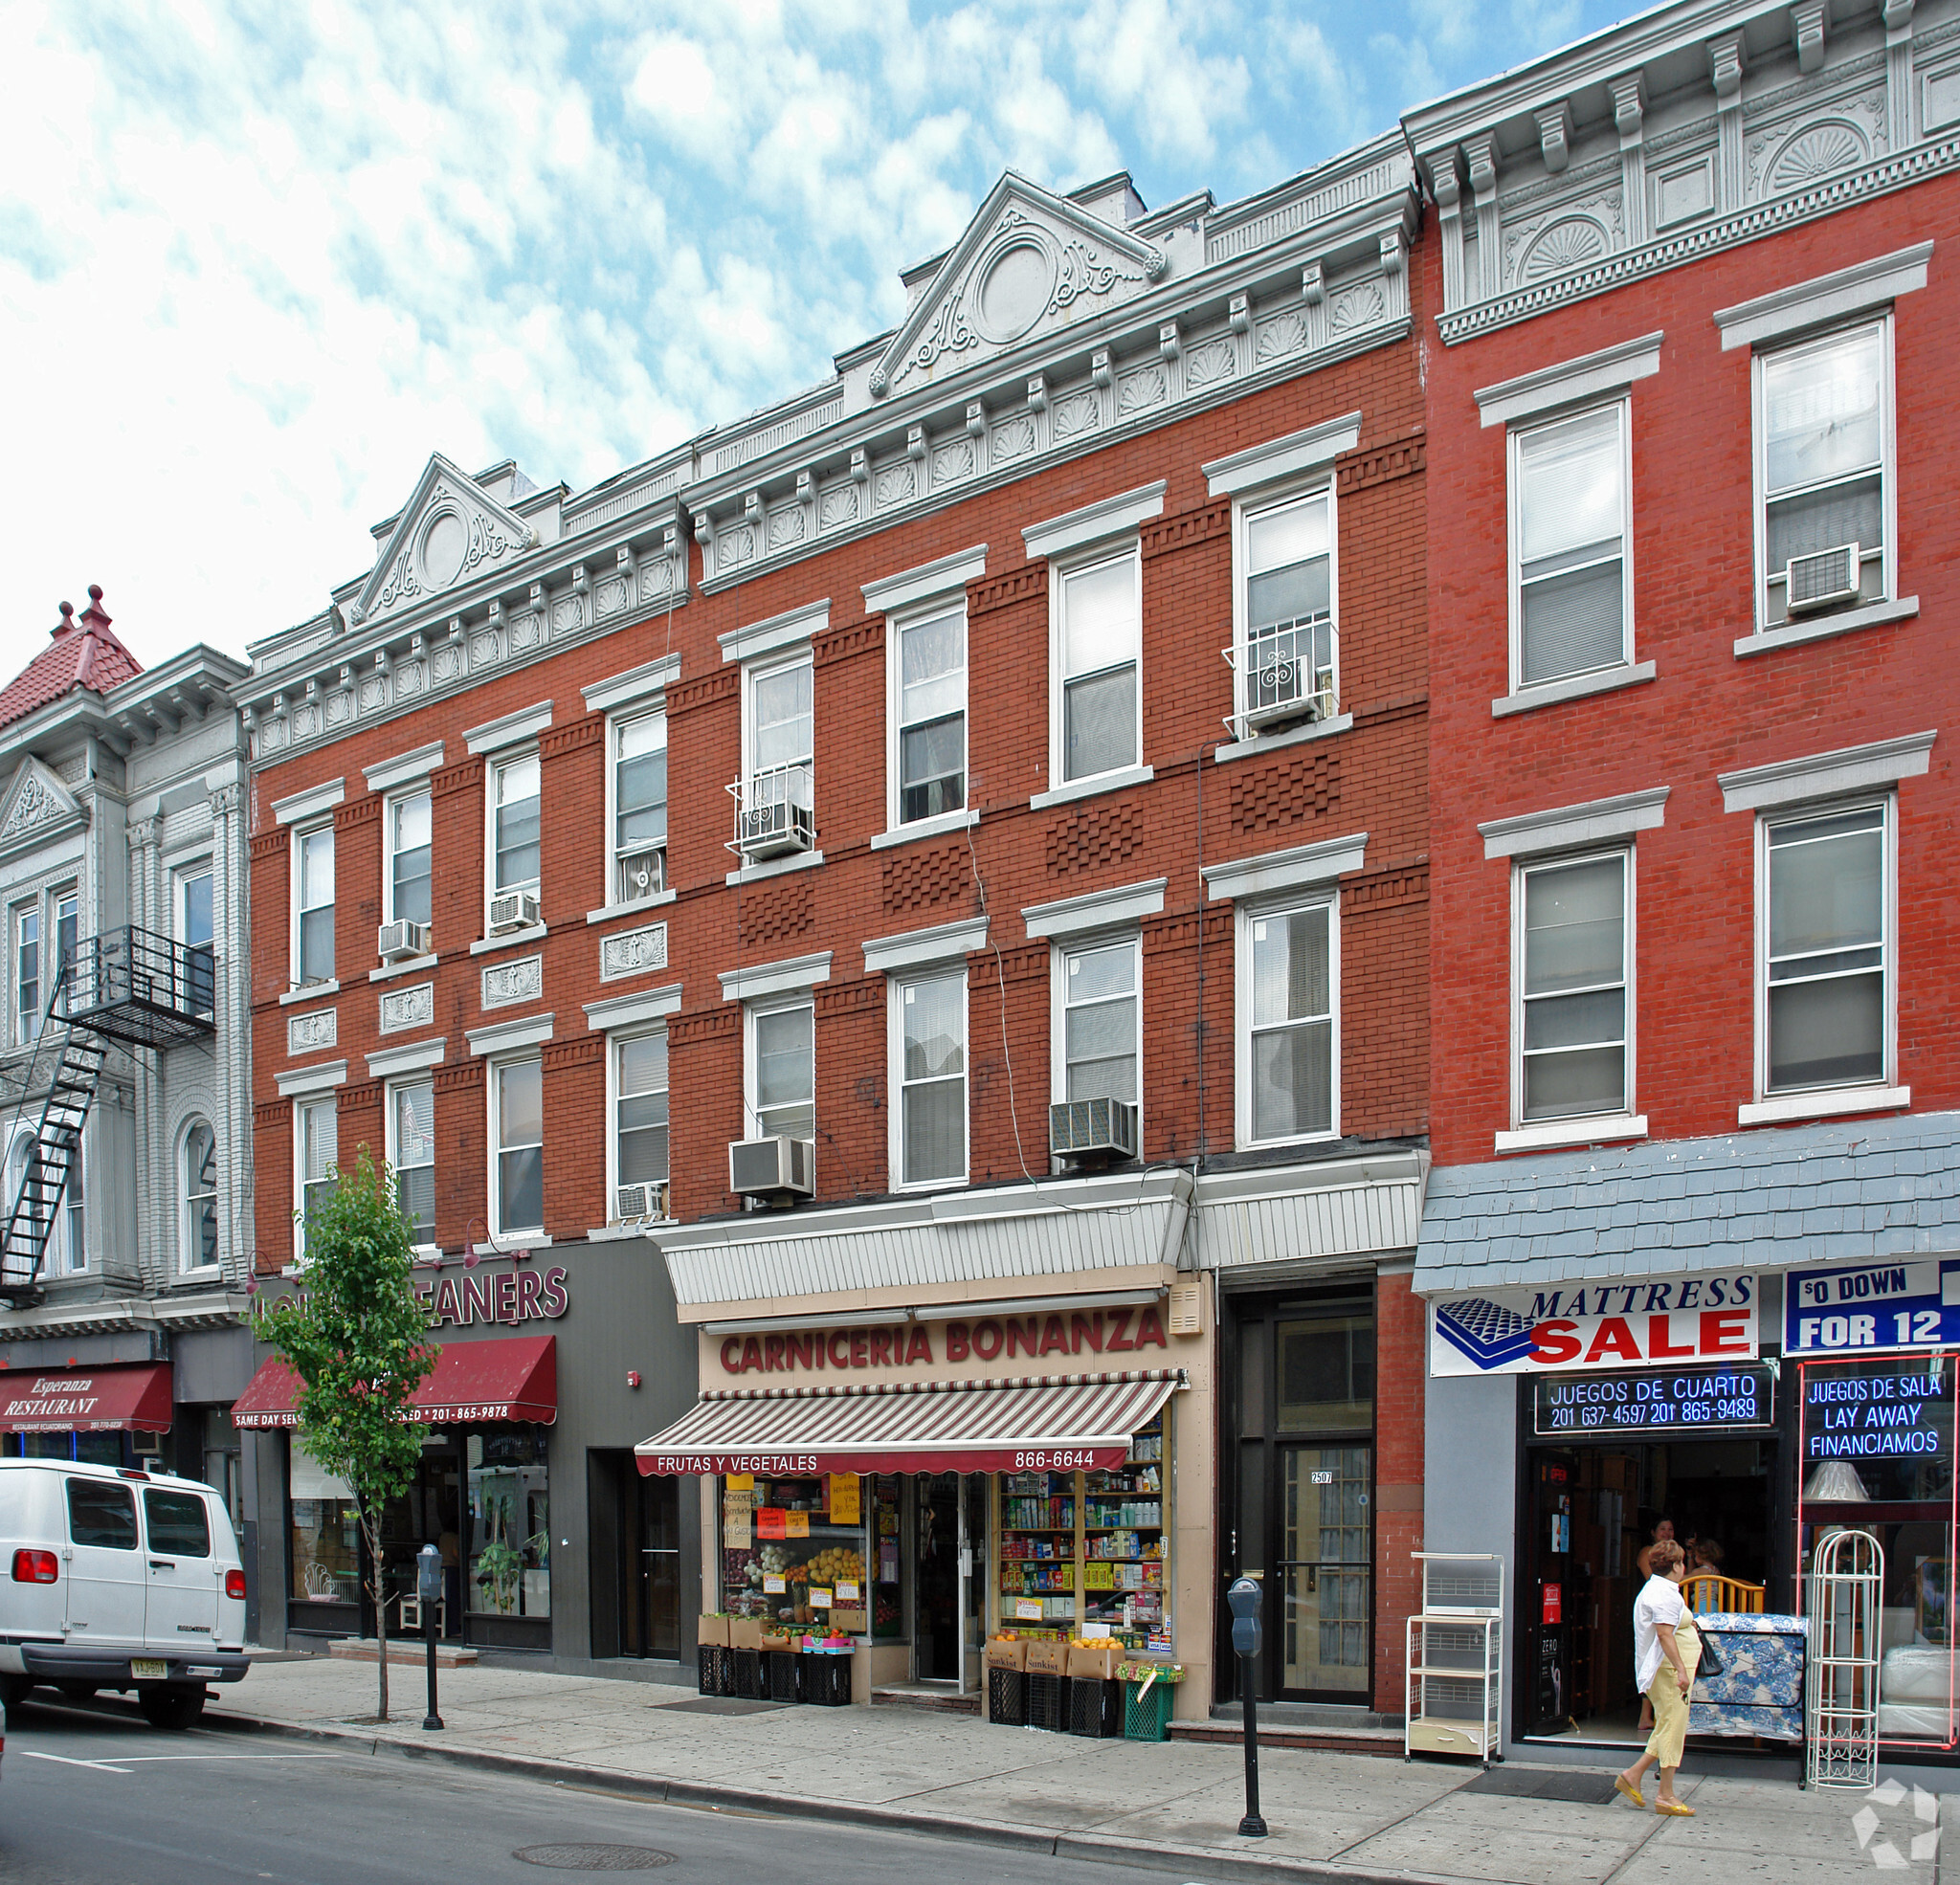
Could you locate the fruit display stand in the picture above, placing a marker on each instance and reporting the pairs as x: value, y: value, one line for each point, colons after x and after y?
x: 1149, y: 1688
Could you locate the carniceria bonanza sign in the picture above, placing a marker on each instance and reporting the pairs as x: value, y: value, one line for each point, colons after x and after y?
x: 1571, y: 1326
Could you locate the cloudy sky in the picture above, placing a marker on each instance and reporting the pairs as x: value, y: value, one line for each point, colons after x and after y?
x: 257, y: 260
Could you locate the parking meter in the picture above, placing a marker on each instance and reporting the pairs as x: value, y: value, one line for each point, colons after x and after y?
x: 429, y: 1594
x: 1244, y: 1598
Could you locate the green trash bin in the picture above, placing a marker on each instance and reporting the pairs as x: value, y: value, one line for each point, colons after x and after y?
x: 1147, y: 1710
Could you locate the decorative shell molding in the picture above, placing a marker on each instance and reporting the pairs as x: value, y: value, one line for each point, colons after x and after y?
x: 403, y: 1008
x: 508, y: 982
x: 633, y: 952
x: 309, y: 1032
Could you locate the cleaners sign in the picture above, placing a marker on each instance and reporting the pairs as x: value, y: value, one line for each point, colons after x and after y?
x: 1872, y: 1308
x: 1704, y: 1319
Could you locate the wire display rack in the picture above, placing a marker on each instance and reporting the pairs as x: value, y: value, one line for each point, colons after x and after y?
x: 1840, y: 1712
x: 1453, y: 1653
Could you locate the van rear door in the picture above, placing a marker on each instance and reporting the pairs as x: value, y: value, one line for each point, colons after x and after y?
x: 106, y: 1573
x: 182, y: 1587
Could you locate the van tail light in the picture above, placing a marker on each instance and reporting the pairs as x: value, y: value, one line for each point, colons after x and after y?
x: 35, y: 1566
x: 235, y: 1584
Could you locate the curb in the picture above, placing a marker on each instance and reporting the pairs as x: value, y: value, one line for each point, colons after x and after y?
x: 1103, y: 1849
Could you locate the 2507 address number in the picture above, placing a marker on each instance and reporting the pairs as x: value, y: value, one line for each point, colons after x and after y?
x: 1059, y: 1460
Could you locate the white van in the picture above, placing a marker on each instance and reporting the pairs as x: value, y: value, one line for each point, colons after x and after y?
x: 118, y: 1580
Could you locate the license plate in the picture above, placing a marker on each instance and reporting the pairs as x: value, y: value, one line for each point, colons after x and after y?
x: 143, y: 1669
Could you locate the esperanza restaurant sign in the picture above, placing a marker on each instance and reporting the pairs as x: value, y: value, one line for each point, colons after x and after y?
x: 1705, y: 1319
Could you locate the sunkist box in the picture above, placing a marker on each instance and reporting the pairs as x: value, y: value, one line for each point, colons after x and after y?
x: 1006, y: 1653
x: 1095, y: 1663
x: 1047, y: 1658
x: 712, y: 1630
x: 744, y: 1632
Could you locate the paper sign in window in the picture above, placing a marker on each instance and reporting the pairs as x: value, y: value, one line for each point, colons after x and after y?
x: 769, y: 1522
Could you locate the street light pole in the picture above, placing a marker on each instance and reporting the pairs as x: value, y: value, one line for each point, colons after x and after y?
x: 1244, y: 1598
x: 429, y: 1594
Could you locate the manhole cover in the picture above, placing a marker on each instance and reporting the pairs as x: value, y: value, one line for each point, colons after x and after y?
x: 594, y: 1858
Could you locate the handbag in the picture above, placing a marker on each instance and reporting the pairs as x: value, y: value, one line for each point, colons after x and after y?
x: 1710, y: 1663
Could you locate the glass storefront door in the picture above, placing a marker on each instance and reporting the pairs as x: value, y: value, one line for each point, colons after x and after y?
x: 936, y: 1579
x: 654, y: 1618
x: 1326, y: 1570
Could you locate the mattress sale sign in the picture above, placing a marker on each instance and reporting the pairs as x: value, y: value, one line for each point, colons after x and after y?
x: 1569, y: 1326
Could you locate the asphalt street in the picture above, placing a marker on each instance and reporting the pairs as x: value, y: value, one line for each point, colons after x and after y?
x: 92, y: 1795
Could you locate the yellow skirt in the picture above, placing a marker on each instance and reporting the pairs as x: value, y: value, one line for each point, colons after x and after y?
x: 1670, y: 1704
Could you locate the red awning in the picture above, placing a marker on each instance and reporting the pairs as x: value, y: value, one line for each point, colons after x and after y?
x: 129, y: 1397
x: 1054, y: 1423
x: 507, y: 1378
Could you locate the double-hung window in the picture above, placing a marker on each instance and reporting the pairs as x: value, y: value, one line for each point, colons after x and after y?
x: 1573, y: 988
x: 199, y: 1178
x: 409, y: 829
x: 639, y: 807
x: 929, y: 717
x: 27, y: 973
x: 1826, y: 943
x: 782, y: 1068
x: 196, y: 927
x: 779, y: 732
x: 929, y: 1076
x: 412, y: 1152
x: 516, y: 1133
x: 313, y: 905
x: 640, y: 1122
x: 1823, y: 461
x: 1288, y: 1005
x: 317, y: 1150
x: 1098, y: 704
x: 1572, y: 568
x: 67, y: 934
x: 1288, y: 643
x: 515, y: 824
x: 74, y: 1212
x: 1101, y: 1046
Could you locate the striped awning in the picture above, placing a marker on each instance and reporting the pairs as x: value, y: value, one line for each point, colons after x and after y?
x: 1037, y: 1423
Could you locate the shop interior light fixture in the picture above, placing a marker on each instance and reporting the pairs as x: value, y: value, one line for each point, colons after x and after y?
x: 1835, y: 1482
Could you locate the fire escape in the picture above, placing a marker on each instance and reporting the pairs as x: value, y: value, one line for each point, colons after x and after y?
x: 125, y: 988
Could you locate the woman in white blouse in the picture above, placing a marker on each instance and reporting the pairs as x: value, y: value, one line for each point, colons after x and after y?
x: 1665, y: 1652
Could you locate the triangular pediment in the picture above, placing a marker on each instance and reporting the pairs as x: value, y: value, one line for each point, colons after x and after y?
x: 1030, y: 263
x: 449, y: 531
x: 36, y: 805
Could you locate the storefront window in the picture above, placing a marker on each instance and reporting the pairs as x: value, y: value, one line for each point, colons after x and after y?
x: 1878, y: 1456
x: 795, y: 1551
x: 326, y: 1533
x: 510, y: 1524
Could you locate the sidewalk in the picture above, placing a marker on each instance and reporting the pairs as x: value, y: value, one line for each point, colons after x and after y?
x: 1170, y: 1807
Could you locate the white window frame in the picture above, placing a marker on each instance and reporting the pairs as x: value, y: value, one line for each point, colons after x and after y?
x: 419, y: 789
x: 62, y: 893
x: 297, y: 914
x: 390, y: 1137
x: 896, y: 1082
x: 74, y: 1212
x: 494, y: 1212
x: 1888, y: 457
x: 1059, y: 571
x: 1566, y: 1126
x: 303, y: 1106
x: 752, y: 1010
x: 182, y: 877
x: 763, y: 668
x: 1086, y: 943
x: 614, y: 1095
x: 1244, y: 510
x: 188, y: 1241
x: 1514, y: 520
x: 1887, y: 803
x: 497, y: 762
x: 27, y: 1027
x: 947, y: 602
x: 616, y: 724
x: 1245, y: 914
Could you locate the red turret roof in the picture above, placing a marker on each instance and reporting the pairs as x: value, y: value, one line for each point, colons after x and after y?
x: 84, y: 654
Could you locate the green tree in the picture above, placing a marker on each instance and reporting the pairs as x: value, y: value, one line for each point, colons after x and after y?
x: 358, y: 1340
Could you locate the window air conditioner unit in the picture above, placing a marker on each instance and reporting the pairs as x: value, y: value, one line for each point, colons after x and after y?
x: 776, y: 827
x: 772, y: 1167
x: 1822, y: 580
x: 639, y: 1201
x: 1282, y: 712
x: 147, y: 1446
x: 402, y: 939
x: 1083, y: 1128
x: 513, y: 909
x: 644, y: 874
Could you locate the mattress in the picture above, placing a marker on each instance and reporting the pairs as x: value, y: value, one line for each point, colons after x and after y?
x: 1760, y: 1690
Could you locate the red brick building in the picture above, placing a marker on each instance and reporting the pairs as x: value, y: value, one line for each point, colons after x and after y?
x: 984, y: 798
x: 1690, y: 541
